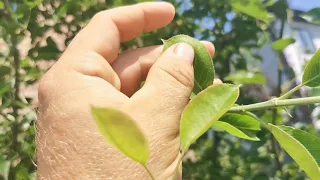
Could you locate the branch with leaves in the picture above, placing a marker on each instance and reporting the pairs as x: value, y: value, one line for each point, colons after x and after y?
x: 215, y: 104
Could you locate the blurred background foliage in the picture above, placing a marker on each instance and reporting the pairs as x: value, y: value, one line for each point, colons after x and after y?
x: 34, y: 33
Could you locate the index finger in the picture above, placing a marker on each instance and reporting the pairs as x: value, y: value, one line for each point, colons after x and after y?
x: 108, y: 28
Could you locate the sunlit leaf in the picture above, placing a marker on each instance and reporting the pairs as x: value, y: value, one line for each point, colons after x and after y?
x: 311, y: 75
x: 253, y: 8
x: 301, y: 146
x: 48, y: 52
x: 204, y: 109
x: 245, y: 77
x: 309, y: 141
x: 1, y: 5
x: 281, y: 44
x: 122, y: 132
x: 4, y: 168
x: 203, y: 64
x: 240, y: 125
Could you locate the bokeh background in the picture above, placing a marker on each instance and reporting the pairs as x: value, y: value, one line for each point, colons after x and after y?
x: 34, y: 33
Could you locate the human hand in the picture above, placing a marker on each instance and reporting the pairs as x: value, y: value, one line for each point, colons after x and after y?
x: 90, y: 72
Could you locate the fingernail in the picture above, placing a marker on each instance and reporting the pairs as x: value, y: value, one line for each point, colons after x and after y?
x: 186, y: 51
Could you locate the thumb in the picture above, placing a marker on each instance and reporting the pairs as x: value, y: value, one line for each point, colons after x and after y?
x: 171, y: 78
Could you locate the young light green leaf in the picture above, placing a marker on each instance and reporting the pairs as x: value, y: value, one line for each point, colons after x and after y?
x: 245, y: 77
x: 4, y: 168
x: 253, y: 8
x: 122, y: 132
x: 311, y: 75
x: 240, y: 125
x: 296, y: 144
x: 281, y: 44
x: 204, y: 109
x: 203, y: 64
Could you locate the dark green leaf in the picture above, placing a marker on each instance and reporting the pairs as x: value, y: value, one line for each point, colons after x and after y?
x: 121, y: 131
x: 203, y: 65
x: 240, y: 125
x: 4, y: 70
x: 311, y: 75
x: 1, y: 5
x: 4, y: 87
x: 22, y: 14
x: 245, y: 77
x: 281, y: 44
x: 296, y: 143
x: 204, y: 109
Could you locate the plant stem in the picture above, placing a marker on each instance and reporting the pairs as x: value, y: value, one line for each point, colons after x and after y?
x: 15, y: 127
x: 148, y: 171
x: 275, y: 103
x: 289, y: 93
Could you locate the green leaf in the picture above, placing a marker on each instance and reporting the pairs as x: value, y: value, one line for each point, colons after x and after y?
x: 281, y: 44
x: 204, y: 109
x: 312, y: 16
x: 311, y: 75
x: 309, y: 141
x: 299, y: 146
x: 4, y: 70
x: 122, y: 132
x: 203, y: 64
x: 48, y: 52
x: 253, y: 8
x: 4, y: 168
x: 245, y: 77
x: 4, y: 87
x: 1, y: 5
x: 240, y: 125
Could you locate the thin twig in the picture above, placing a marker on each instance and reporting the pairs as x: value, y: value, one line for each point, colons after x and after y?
x: 275, y: 103
x: 290, y: 93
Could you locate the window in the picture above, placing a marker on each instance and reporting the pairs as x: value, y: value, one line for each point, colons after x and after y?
x: 304, y: 40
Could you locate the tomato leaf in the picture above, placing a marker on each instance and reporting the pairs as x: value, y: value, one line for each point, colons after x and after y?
x: 203, y: 64
x: 240, y: 125
x: 303, y: 147
x: 311, y: 75
x: 204, y: 109
x: 121, y: 131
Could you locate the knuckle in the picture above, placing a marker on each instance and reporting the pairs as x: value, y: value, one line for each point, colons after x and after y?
x: 89, y: 66
x: 179, y: 72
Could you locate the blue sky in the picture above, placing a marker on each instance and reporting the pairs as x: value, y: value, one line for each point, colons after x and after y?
x: 304, y: 5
